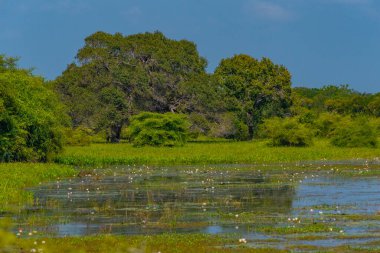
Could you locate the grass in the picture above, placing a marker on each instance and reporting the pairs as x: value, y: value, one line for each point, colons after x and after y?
x: 176, y: 243
x: 15, y: 177
x: 135, y: 244
x: 255, y: 152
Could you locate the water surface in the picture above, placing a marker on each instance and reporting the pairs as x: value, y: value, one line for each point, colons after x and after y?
x: 267, y: 206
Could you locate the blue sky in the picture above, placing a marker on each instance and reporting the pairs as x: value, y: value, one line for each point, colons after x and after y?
x: 320, y: 41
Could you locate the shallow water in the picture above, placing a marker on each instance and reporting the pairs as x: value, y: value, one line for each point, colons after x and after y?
x: 256, y: 203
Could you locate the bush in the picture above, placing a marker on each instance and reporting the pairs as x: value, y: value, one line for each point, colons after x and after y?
x: 286, y: 132
x: 229, y: 126
x: 354, y: 133
x: 157, y: 129
x: 375, y: 124
x: 31, y: 116
x: 80, y: 136
x: 199, y: 125
x: 326, y: 124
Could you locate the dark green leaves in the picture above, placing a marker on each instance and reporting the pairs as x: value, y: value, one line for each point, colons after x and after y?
x: 31, y: 117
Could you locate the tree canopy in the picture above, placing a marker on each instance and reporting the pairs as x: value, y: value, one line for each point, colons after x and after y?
x: 31, y: 115
x: 117, y: 76
x: 255, y: 88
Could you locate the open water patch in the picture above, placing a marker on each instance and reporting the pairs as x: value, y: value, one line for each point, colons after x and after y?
x: 265, y: 206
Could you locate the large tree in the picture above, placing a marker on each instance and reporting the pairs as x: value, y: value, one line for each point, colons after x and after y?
x: 254, y: 88
x: 116, y: 76
x: 31, y: 116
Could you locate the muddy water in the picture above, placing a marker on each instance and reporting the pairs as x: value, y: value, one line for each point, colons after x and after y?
x: 267, y: 206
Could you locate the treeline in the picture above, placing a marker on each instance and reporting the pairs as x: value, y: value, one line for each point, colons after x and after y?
x: 346, y: 117
x: 116, y: 78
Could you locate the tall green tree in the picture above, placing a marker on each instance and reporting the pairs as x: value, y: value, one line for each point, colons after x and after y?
x: 255, y: 88
x: 31, y: 116
x: 117, y: 76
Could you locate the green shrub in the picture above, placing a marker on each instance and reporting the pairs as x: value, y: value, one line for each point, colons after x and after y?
x: 229, y: 126
x: 157, y: 129
x: 80, y: 136
x: 199, y: 125
x: 375, y: 123
x: 31, y: 117
x: 326, y: 123
x: 354, y: 133
x: 286, y: 132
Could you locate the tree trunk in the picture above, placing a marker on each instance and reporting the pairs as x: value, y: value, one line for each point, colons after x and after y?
x: 250, y: 125
x: 250, y: 131
x: 114, y: 134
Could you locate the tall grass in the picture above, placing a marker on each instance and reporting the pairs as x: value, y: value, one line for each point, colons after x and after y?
x: 15, y: 177
x: 255, y: 152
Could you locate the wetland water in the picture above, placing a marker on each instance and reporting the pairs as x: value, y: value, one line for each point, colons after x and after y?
x: 279, y: 206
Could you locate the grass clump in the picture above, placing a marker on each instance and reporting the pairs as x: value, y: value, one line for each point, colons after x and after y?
x: 253, y: 152
x: 15, y: 177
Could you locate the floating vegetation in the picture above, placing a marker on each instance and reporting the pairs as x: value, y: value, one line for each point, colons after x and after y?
x: 304, y: 204
x: 309, y: 206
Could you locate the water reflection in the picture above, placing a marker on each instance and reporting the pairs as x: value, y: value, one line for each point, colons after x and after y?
x: 136, y: 201
x: 269, y: 209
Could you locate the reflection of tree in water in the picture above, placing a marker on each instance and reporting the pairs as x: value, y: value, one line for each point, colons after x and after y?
x: 168, y: 199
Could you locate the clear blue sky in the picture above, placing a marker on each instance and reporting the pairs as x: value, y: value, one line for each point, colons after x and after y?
x: 320, y: 41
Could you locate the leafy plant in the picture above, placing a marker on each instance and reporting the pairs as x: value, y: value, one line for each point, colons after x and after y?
x: 79, y: 136
x: 31, y: 117
x: 326, y: 123
x: 157, y: 129
x: 354, y: 133
x: 286, y: 132
x: 229, y: 126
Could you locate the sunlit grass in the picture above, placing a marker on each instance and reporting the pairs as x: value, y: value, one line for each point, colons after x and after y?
x: 188, y: 243
x: 15, y: 177
x: 256, y: 152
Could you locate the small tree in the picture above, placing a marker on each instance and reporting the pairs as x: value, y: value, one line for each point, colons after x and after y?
x: 155, y: 129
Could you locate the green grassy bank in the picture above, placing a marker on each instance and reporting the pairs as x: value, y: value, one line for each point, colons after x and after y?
x: 186, y: 243
x: 256, y: 152
x: 15, y: 177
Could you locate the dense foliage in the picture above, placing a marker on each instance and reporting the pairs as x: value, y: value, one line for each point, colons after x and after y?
x: 31, y: 116
x: 287, y: 132
x: 335, y: 99
x: 354, y: 133
x: 255, y: 89
x: 118, y: 76
x: 155, y: 129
